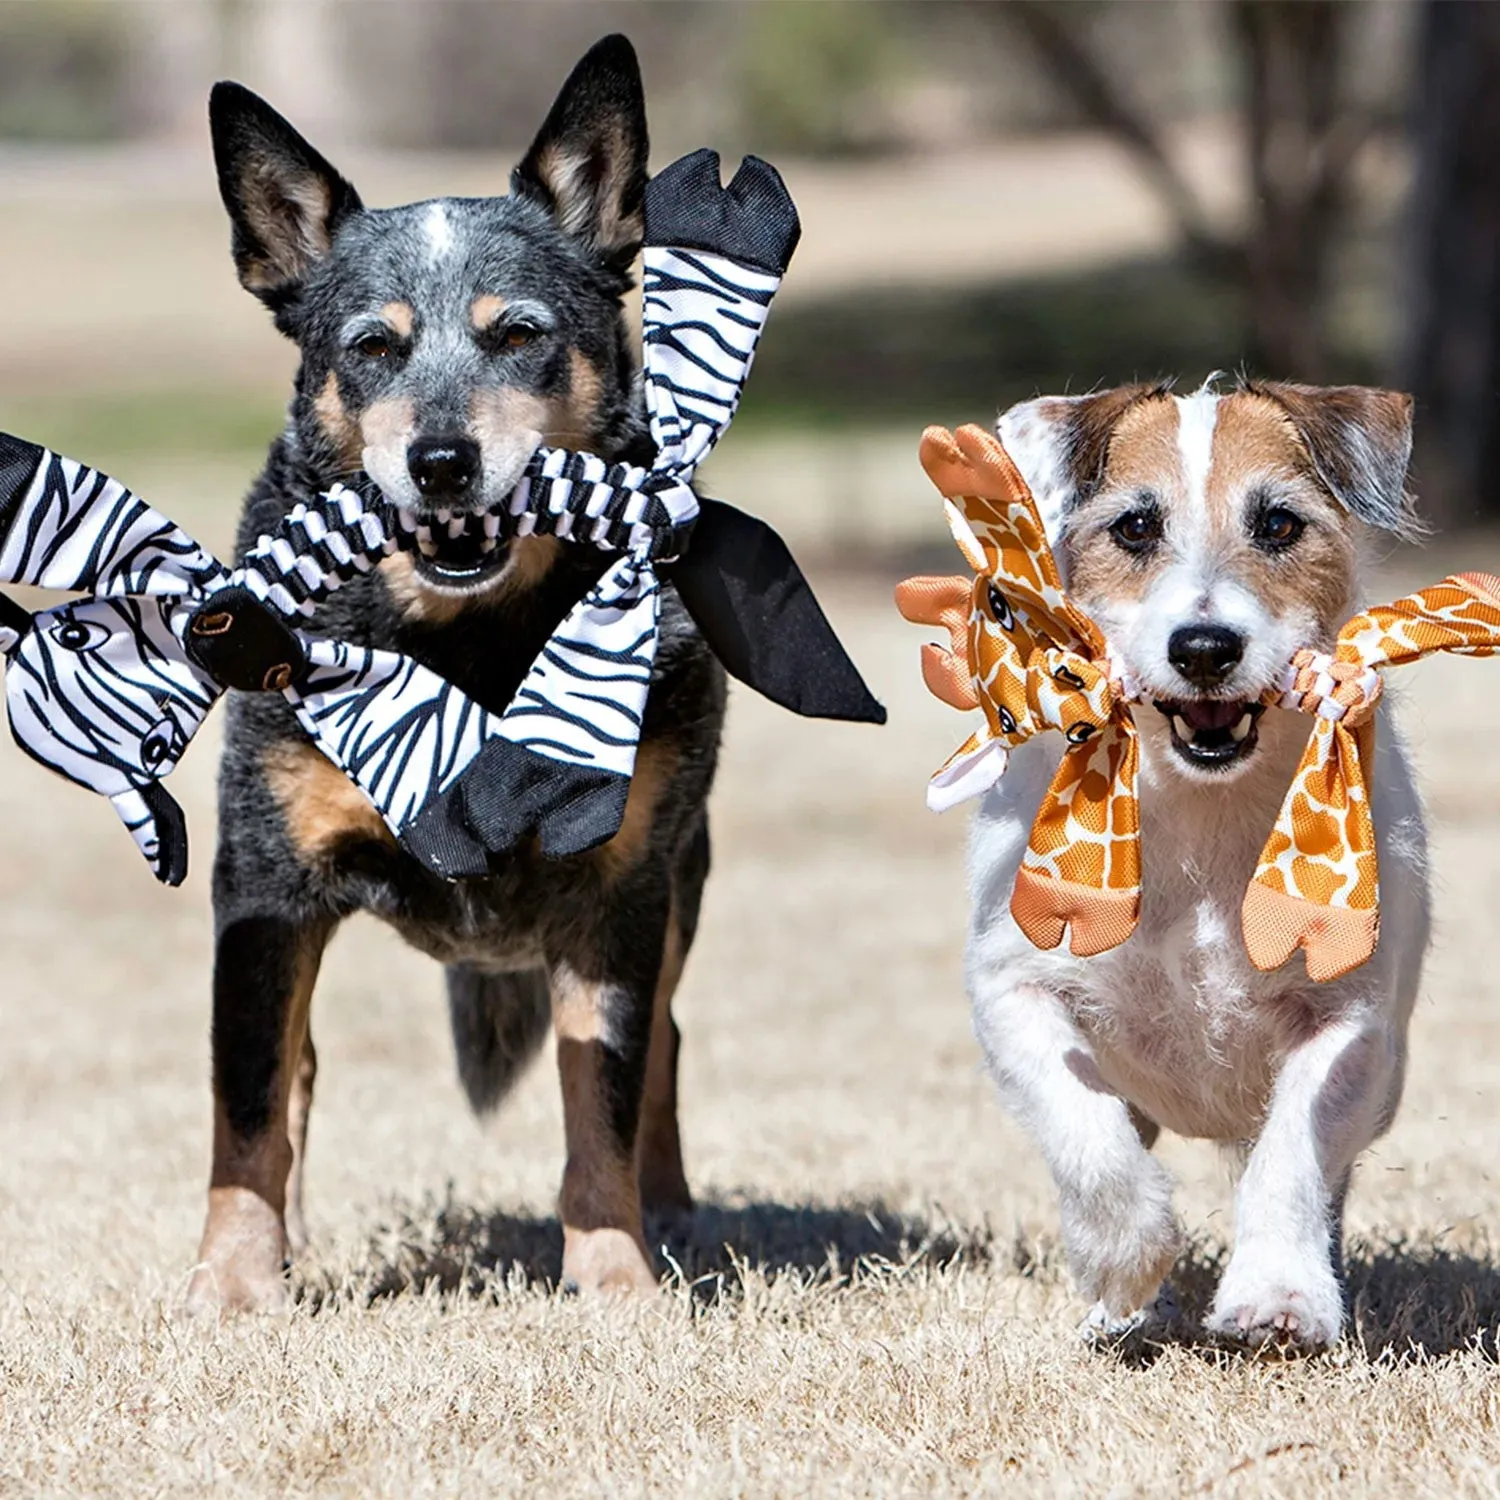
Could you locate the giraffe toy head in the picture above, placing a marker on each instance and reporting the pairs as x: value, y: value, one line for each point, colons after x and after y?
x: 1212, y: 536
x: 1026, y: 651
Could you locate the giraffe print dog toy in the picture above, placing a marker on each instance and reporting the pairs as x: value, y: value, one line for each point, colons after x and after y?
x: 1031, y: 660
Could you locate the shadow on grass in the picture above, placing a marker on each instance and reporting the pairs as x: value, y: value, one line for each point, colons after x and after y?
x: 447, y: 1247
x: 1403, y: 1300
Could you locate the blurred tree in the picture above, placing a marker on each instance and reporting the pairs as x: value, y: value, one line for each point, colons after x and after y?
x: 1453, y: 359
x: 1302, y: 132
x: 812, y: 77
x: 62, y: 69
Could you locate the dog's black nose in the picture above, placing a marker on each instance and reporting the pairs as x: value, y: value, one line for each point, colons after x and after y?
x: 1205, y: 654
x: 444, y: 466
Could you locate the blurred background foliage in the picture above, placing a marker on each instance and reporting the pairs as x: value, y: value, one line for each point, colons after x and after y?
x: 1316, y: 184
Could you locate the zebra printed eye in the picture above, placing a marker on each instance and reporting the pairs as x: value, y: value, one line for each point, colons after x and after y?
x: 79, y: 635
x: 160, y: 745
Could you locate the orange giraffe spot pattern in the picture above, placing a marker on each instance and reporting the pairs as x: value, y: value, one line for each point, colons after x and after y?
x: 1024, y: 654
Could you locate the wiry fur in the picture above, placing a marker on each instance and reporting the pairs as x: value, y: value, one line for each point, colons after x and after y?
x: 487, y: 326
x: 1176, y: 1028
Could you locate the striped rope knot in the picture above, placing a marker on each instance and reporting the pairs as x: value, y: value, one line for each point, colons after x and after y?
x: 1316, y: 682
x: 578, y: 497
x: 1039, y: 662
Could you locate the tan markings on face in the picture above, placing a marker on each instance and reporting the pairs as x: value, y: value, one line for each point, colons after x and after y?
x: 1142, y: 457
x: 343, y: 431
x: 576, y: 416
x: 505, y: 419
x: 400, y: 318
x: 484, y: 310
x: 530, y: 559
x: 320, y: 805
x: 1257, y: 448
x: 505, y: 422
x: 655, y: 765
x: 388, y: 427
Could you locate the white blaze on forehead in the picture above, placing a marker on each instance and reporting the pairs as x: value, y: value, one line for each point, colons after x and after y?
x: 1196, y: 416
x: 439, y: 231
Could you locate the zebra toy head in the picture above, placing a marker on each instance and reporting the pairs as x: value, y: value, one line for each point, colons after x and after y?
x: 101, y: 692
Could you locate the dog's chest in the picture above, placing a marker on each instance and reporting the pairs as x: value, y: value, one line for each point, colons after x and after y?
x: 1180, y: 1020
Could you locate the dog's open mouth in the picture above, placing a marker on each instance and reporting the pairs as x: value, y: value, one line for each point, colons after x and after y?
x: 457, y: 550
x: 1212, y: 732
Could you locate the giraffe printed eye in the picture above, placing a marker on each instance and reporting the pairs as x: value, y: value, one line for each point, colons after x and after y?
x: 1080, y: 734
x: 1069, y: 679
x: 1000, y: 609
x: 1006, y: 717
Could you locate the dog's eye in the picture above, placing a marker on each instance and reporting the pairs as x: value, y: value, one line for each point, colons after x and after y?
x: 374, y: 346
x: 518, y: 335
x: 1278, y: 528
x: 1137, y: 530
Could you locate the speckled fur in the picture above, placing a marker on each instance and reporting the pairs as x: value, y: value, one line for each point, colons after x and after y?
x: 327, y: 271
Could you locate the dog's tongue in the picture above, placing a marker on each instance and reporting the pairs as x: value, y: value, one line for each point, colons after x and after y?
x: 1212, y: 714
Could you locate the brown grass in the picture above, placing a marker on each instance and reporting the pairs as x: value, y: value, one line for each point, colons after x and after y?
x: 870, y: 1300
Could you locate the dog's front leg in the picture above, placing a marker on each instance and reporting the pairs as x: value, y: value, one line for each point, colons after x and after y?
x: 264, y: 970
x: 603, y: 987
x: 1118, y: 1226
x: 1332, y: 1096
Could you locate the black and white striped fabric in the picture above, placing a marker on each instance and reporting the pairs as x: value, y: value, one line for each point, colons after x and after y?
x: 109, y: 691
x: 563, y: 771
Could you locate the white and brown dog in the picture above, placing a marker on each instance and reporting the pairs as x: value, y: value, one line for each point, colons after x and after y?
x: 1210, y: 536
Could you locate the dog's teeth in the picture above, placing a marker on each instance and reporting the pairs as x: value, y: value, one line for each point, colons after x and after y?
x: 487, y: 544
x: 443, y: 515
x: 457, y: 526
x: 491, y: 525
x: 1182, y: 728
x: 1240, y: 730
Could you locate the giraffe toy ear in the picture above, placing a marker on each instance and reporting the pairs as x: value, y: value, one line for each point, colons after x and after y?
x: 945, y: 603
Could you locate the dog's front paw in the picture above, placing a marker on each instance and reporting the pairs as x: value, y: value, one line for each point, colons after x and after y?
x: 605, y: 1260
x: 1121, y: 1243
x: 243, y: 1259
x: 1284, y: 1300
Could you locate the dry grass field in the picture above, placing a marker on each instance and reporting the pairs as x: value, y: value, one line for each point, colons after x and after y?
x: 870, y: 1299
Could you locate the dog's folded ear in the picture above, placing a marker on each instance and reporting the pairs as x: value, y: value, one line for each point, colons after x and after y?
x: 285, y: 201
x: 1359, y: 441
x: 587, y: 165
x: 1060, y: 444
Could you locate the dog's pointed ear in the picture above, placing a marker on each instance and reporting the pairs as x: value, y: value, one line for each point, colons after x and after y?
x: 285, y: 201
x: 587, y: 165
x: 1061, y: 444
x: 1359, y: 441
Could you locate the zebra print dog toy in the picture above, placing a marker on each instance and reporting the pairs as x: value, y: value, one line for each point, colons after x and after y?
x: 108, y: 691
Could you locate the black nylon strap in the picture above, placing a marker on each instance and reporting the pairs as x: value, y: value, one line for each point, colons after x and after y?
x: 758, y: 613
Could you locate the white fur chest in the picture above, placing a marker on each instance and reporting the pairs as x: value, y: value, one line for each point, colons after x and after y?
x: 1178, y: 1020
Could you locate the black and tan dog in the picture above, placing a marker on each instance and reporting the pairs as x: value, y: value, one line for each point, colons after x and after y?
x: 441, y: 343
